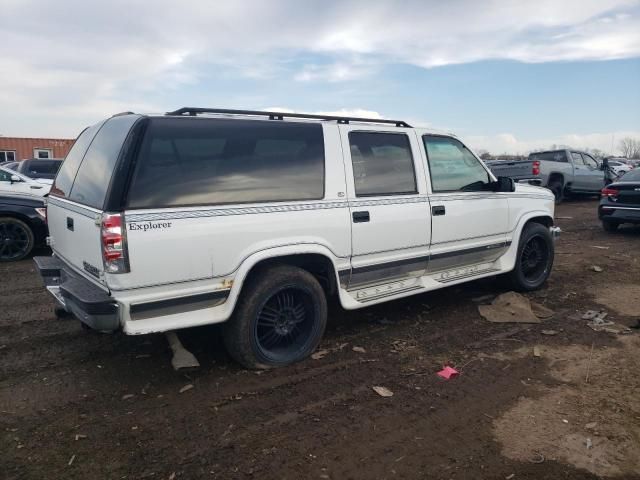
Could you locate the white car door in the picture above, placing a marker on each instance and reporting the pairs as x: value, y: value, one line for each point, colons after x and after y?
x: 22, y: 186
x: 386, y: 190
x: 469, y: 220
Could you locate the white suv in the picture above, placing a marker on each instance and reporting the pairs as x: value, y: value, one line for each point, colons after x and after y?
x: 160, y: 222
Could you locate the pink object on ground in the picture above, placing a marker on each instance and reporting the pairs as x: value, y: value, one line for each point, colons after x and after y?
x: 448, y: 372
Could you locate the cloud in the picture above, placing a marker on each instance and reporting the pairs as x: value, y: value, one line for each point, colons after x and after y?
x: 83, y: 60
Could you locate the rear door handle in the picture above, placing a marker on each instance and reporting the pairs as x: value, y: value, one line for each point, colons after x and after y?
x: 438, y: 210
x: 70, y: 223
x: 361, y: 217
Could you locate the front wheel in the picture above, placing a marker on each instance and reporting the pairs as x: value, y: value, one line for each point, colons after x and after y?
x: 534, y: 259
x: 279, y: 319
x: 16, y: 239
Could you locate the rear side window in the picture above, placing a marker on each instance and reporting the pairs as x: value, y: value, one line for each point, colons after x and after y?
x: 560, y: 156
x: 95, y: 172
x: 382, y: 164
x: 67, y: 173
x: 196, y: 161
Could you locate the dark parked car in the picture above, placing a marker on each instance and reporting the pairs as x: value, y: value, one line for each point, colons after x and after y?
x: 22, y: 226
x: 620, y: 201
x: 39, y: 169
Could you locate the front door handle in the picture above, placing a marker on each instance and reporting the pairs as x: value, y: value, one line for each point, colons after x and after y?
x: 361, y: 217
x: 70, y: 223
x: 438, y: 210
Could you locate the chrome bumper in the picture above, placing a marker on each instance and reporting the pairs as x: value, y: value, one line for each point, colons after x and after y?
x: 555, y: 232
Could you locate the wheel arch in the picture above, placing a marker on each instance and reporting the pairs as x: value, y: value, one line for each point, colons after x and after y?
x: 316, y: 259
x: 556, y: 176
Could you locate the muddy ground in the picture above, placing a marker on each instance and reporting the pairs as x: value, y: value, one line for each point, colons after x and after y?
x: 81, y: 405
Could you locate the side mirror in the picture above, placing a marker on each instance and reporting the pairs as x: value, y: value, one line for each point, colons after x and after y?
x: 505, y: 184
x: 604, y: 164
x: 15, y: 179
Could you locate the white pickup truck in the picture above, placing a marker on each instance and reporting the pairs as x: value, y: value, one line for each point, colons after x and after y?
x: 199, y: 216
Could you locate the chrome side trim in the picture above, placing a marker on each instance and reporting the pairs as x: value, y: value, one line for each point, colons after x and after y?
x: 620, y: 208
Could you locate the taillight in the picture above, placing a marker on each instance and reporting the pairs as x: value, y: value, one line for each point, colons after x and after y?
x: 609, y: 192
x: 114, y: 243
x: 535, y: 170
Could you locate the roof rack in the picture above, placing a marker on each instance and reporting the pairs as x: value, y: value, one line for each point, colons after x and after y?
x: 192, y: 111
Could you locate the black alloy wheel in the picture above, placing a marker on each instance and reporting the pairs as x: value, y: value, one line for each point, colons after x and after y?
x: 285, y: 324
x: 534, y: 258
x: 279, y: 318
x: 16, y: 239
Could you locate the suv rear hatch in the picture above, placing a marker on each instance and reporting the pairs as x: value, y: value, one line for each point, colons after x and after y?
x: 78, y: 196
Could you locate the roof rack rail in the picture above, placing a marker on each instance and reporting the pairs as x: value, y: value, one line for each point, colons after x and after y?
x: 192, y: 111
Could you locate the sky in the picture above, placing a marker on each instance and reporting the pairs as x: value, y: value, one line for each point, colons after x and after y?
x: 506, y: 76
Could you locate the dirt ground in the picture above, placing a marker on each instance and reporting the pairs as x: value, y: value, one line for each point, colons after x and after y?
x: 82, y: 405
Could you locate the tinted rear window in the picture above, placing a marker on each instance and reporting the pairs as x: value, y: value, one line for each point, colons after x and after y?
x: 95, y: 172
x: 560, y: 156
x: 67, y: 173
x: 191, y: 161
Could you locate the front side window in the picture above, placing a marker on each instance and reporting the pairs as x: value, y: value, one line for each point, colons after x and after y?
x: 382, y: 164
x: 205, y: 161
x: 5, y: 176
x: 452, y: 166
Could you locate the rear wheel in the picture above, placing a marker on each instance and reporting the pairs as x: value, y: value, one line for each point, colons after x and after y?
x: 534, y: 259
x: 16, y: 239
x: 558, y: 190
x: 610, y: 226
x: 280, y: 319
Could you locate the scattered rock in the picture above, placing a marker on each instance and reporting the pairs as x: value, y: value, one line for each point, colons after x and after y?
x: 128, y: 396
x: 319, y: 354
x: 510, y: 307
x: 186, y: 388
x: 601, y: 248
x: 359, y: 350
x: 383, y: 391
x: 73, y: 457
x: 589, y: 444
x: 549, y: 332
x: 80, y: 437
x: 536, y: 351
x: 541, y: 311
x: 591, y: 425
x: 596, y: 268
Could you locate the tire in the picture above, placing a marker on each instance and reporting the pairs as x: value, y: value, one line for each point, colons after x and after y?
x: 280, y: 318
x: 16, y: 239
x: 557, y: 189
x: 534, y: 259
x: 610, y: 226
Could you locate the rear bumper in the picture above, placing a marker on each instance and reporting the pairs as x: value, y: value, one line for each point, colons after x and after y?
x: 619, y: 213
x: 77, y: 295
